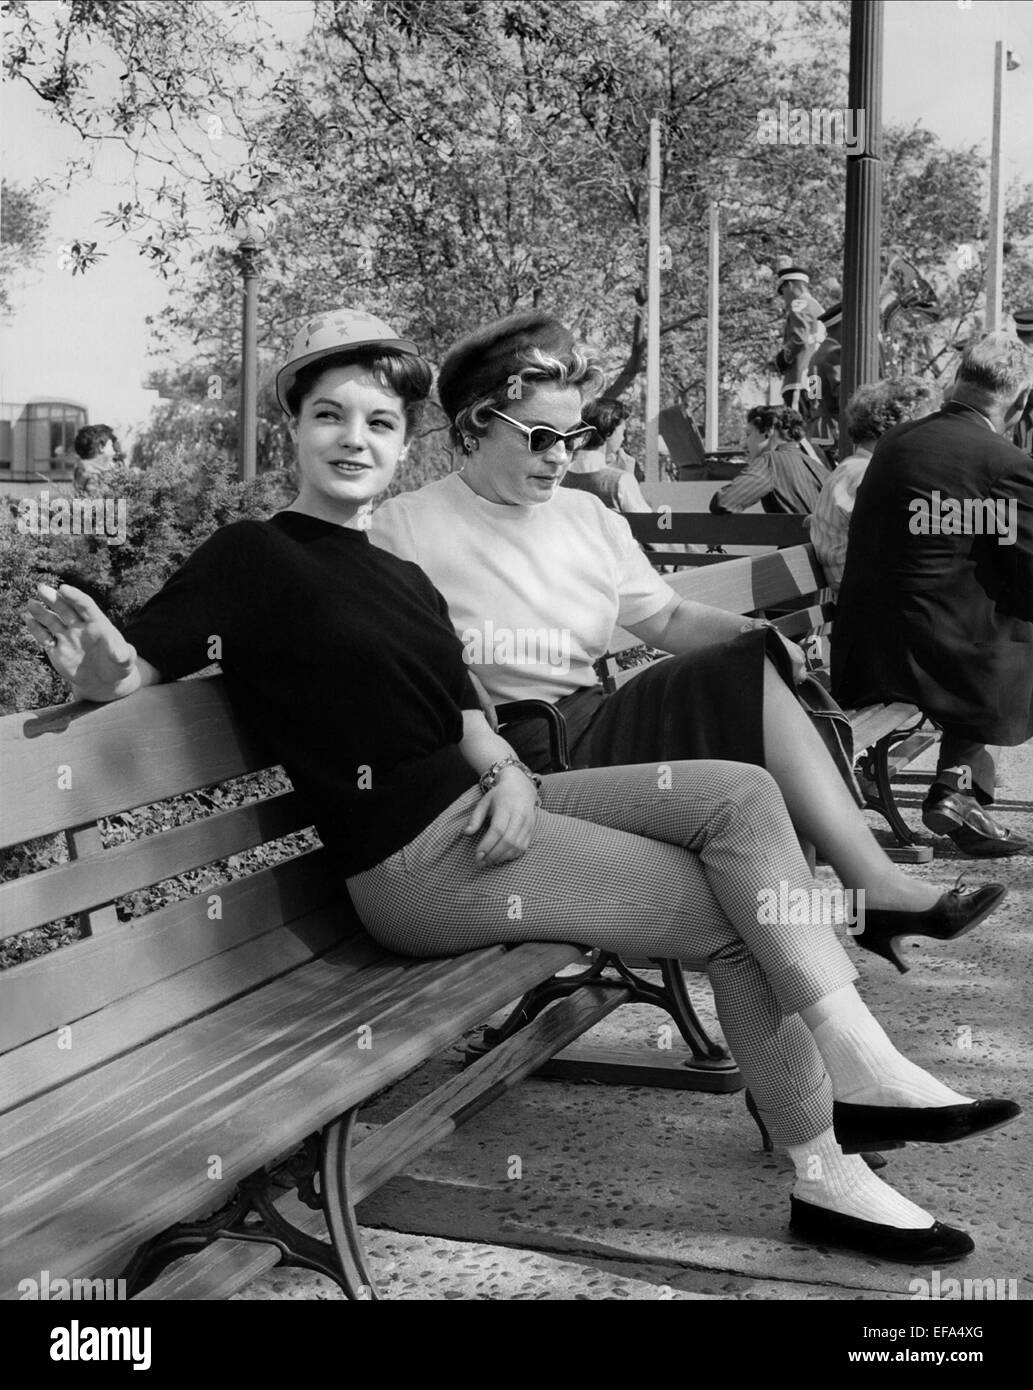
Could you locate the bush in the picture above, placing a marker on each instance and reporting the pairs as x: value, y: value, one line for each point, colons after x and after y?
x: 170, y: 509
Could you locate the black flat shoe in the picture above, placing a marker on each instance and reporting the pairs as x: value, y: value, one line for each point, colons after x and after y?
x: 861, y: 1127
x: 937, y: 1244
x: 954, y: 914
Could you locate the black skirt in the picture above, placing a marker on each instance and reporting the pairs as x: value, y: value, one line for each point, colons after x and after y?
x: 708, y: 704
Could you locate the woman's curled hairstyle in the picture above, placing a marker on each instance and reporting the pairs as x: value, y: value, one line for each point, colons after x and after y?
x: 489, y: 370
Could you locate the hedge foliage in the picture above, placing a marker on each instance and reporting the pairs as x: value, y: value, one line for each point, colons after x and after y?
x: 171, y: 507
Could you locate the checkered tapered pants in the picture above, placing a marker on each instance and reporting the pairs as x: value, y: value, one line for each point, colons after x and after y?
x: 645, y: 861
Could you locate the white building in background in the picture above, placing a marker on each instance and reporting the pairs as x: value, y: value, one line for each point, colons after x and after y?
x: 36, y: 444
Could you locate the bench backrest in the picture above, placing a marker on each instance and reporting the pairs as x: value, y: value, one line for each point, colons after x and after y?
x: 67, y: 768
x: 786, y: 586
x: 667, y: 527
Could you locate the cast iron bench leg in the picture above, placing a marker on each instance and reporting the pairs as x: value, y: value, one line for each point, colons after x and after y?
x: 236, y: 1221
x: 335, y: 1185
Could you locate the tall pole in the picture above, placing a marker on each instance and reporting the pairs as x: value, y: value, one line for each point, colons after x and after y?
x: 652, y: 465
x: 247, y: 418
x: 995, y: 249
x: 861, y: 275
x: 714, y: 258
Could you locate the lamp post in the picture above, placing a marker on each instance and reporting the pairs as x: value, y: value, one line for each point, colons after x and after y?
x: 860, y: 333
x: 248, y: 250
x: 995, y: 249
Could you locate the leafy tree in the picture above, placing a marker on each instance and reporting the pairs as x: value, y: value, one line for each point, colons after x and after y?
x: 442, y: 162
x: 23, y: 225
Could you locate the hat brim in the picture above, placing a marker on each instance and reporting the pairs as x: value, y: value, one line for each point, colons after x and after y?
x: 286, y: 376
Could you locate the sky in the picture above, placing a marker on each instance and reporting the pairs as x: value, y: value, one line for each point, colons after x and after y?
x: 84, y: 337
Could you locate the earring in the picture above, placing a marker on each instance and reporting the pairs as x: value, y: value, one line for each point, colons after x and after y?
x: 470, y: 444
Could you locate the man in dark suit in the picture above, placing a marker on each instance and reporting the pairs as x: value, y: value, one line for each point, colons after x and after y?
x: 936, y: 605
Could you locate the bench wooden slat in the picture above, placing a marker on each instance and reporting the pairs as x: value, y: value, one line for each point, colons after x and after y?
x: 41, y: 1065
x: 875, y: 721
x: 44, y: 994
x: 703, y: 528
x: 108, y: 874
x: 146, y: 1167
x: 72, y: 764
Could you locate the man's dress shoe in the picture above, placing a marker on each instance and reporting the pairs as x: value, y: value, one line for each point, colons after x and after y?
x: 971, y: 827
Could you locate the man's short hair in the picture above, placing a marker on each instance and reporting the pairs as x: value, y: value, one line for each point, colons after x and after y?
x: 91, y: 439
x: 997, y: 364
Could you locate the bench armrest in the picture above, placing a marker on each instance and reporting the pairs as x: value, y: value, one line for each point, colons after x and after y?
x: 516, y: 711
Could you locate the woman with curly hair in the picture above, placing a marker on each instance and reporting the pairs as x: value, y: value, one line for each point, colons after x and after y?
x: 872, y: 410
x: 781, y: 473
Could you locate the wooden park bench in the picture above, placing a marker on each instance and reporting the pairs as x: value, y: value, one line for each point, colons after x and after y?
x: 187, y: 1082
x: 179, y: 1091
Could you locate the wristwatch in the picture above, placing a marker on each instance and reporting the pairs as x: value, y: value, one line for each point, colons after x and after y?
x: 489, y: 778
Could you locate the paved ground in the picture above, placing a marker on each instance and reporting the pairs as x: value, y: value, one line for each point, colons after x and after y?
x: 566, y: 1191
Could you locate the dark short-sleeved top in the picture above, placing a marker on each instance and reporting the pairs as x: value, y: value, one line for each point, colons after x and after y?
x: 340, y: 658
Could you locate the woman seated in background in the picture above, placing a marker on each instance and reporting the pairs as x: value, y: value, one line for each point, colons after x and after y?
x: 343, y: 662
x: 537, y: 578
x: 783, y: 473
x: 595, y: 470
x: 871, y: 412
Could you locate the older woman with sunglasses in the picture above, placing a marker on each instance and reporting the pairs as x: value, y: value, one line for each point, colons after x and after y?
x: 537, y: 577
x: 341, y: 657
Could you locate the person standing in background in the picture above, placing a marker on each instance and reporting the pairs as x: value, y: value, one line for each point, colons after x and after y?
x: 802, y: 334
x: 824, y: 377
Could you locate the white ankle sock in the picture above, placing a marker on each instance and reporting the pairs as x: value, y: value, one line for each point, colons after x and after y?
x: 865, y: 1067
x: 827, y: 1177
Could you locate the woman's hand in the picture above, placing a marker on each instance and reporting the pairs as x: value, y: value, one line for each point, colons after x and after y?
x: 84, y: 647
x: 508, y: 810
x: 797, y: 656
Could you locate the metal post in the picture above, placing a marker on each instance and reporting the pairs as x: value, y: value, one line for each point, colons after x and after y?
x: 711, y: 421
x: 995, y: 249
x: 247, y: 415
x: 652, y: 464
x: 861, y: 274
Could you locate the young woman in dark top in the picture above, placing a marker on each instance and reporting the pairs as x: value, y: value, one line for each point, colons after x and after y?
x: 343, y: 659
